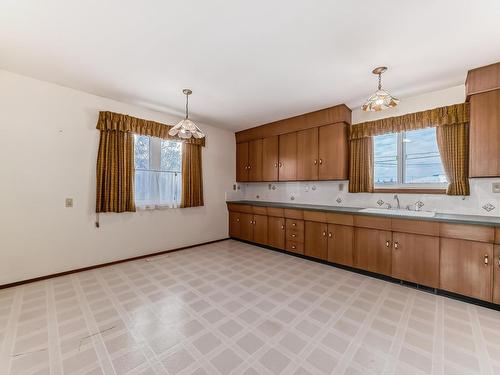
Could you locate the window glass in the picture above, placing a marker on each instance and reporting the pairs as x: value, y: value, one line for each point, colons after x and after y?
x: 141, y: 150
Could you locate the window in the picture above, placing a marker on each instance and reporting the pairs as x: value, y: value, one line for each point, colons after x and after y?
x: 158, y: 180
x: 408, y: 159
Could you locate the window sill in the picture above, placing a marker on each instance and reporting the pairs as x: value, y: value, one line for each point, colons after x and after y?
x: 152, y: 206
x: 411, y: 190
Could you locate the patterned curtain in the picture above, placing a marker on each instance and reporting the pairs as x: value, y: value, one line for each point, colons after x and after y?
x: 192, y: 176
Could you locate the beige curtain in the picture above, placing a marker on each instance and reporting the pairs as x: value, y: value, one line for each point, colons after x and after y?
x: 124, y: 123
x: 115, y: 172
x: 453, y: 143
x: 192, y: 176
x: 361, y: 165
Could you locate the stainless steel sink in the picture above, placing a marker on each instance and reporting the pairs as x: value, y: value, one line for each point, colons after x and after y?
x: 396, y: 212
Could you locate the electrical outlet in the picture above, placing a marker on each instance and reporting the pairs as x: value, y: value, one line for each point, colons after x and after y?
x: 68, y: 202
x: 495, y: 187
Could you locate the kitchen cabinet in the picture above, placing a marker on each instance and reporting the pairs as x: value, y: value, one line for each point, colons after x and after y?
x: 307, y: 154
x: 484, y: 146
x: 415, y: 258
x: 340, y: 244
x: 316, y: 240
x: 246, y: 226
x: 234, y: 224
x: 270, y: 158
x: 255, y: 160
x: 333, y: 152
x: 372, y: 250
x: 466, y: 267
x: 242, y: 162
x: 276, y: 232
x: 260, y: 229
x: 288, y: 157
x: 294, y: 231
x: 496, y: 275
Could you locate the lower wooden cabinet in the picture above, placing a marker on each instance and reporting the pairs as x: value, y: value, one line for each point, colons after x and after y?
x: 316, y: 240
x: 340, y: 244
x: 234, y: 224
x: 372, y: 250
x: 246, y: 226
x: 496, y: 276
x: 466, y: 267
x: 276, y: 232
x: 260, y: 229
x: 415, y: 258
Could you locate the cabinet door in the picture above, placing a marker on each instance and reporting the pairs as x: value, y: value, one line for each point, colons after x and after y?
x: 242, y: 162
x: 333, y: 152
x: 246, y: 227
x: 270, y: 159
x: 372, y: 250
x: 316, y: 240
x: 307, y: 154
x: 255, y: 160
x: 260, y: 229
x: 276, y: 232
x: 484, y: 143
x: 415, y: 258
x: 466, y: 268
x: 234, y: 224
x: 496, y: 276
x: 340, y: 244
x: 288, y: 157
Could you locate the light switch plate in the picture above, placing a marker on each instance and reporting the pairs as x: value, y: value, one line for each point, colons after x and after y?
x: 68, y: 202
x: 495, y: 187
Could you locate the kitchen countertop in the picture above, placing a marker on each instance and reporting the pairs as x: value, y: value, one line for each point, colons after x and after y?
x: 492, y: 221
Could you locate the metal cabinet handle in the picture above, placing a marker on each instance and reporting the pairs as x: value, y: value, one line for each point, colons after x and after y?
x: 275, y: 165
x: 293, y: 247
x: 396, y: 245
x: 294, y: 235
x: 324, y: 234
x: 280, y: 164
x: 330, y: 235
x: 251, y: 221
x: 320, y: 161
x: 387, y: 243
x: 282, y: 227
x: 498, y: 261
x: 238, y: 220
x: 486, y: 259
x: 294, y: 224
x: 254, y: 222
x: 249, y: 167
x: 315, y: 162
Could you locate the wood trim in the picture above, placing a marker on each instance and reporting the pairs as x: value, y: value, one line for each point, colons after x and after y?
x: 276, y: 212
x: 409, y: 191
x: 76, y: 270
x: 342, y: 219
x: 327, y: 116
x: 237, y: 207
x: 497, y: 235
x: 467, y: 232
x: 259, y: 210
x: 372, y: 222
x: 430, y: 228
x: 316, y: 216
x: 291, y: 213
x: 482, y: 79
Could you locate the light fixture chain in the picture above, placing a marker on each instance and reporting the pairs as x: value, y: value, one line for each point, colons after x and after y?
x: 187, y: 106
x: 379, y: 81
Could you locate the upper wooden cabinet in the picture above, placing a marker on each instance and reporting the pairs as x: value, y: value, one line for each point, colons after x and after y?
x: 270, y: 159
x: 242, y: 161
x: 484, y: 153
x: 307, y: 154
x: 483, y: 79
x: 333, y: 153
x: 288, y: 157
x: 255, y: 160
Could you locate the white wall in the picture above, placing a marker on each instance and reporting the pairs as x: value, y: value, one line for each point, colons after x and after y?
x: 335, y: 193
x: 48, y: 152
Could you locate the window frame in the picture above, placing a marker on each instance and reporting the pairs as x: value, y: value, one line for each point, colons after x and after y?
x: 400, y: 186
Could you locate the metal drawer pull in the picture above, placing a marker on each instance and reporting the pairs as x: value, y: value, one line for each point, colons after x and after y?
x: 396, y: 245
x: 293, y: 247
x: 324, y: 234
x: 315, y: 162
x: 387, y: 244
x: 330, y: 235
x: 294, y: 235
x: 275, y: 164
x: 321, y: 161
x: 486, y: 259
x: 294, y: 224
x: 280, y: 164
x: 248, y: 167
x: 238, y: 220
x: 282, y: 227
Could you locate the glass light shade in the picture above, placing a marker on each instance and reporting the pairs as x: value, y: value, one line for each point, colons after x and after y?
x: 186, y: 129
x: 379, y: 101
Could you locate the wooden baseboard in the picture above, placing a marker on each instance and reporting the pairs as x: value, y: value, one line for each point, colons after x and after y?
x: 40, y: 278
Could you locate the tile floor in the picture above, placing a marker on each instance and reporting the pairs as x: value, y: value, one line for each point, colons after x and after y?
x: 233, y: 308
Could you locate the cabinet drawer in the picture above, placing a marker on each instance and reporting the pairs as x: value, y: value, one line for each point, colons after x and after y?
x: 295, y: 247
x: 259, y: 210
x: 372, y: 222
x: 430, y: 228
x: 276, y: 212
x: 294, y: 225
x: 317, y: 216
x: 294, y: 214
x: 239, y: 207
x: 467, y: 232
x: 295, y: 236
x: 341, y: 219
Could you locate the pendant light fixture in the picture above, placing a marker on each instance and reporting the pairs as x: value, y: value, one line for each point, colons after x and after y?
x: 381, y: 99
x: 186, y: 128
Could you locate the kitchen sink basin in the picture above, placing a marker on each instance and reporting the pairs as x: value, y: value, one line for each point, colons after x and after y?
x: 396, y: 212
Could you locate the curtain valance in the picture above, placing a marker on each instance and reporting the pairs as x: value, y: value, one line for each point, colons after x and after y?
x: 124, y: 123
x: 449, y: 115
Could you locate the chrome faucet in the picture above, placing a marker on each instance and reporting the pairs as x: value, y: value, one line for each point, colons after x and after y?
x: 397, y: 199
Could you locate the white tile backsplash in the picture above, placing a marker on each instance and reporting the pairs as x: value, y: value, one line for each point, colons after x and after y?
x: 334, y: 193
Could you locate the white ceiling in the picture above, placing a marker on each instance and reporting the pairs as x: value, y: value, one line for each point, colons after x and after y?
x: 248, y: 62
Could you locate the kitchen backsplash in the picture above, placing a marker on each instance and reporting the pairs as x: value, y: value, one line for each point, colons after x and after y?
x: 482, y: 200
